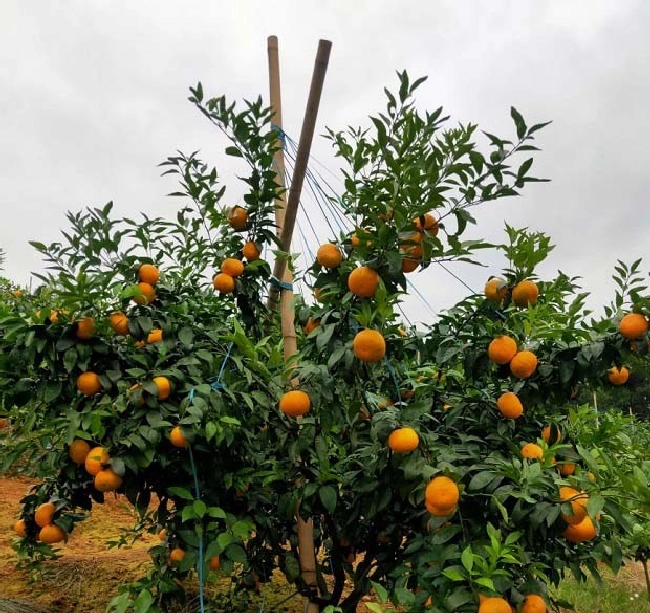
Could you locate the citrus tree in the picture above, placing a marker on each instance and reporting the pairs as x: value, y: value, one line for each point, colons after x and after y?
x: 438, y: 468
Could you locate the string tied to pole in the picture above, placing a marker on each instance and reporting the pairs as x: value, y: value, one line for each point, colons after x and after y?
x: 277, y: 284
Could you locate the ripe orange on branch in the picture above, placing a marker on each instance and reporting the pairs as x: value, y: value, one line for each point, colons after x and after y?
x: 578, y: 502
x: 329, y: 256
x: 147, y: 293
x: 369, y: 346
x: 88, y: 383
x: 95, y: 460
x: 164, y: 387
x: 78, y: 451
x: 633, y: 325
x: 120, y: 323
x: 523, y: 364
x: 441, y: 496
x: 403, y: 440
x: 20, y: 528
x: 618, y: 376
x: 510, y: 405
x: 551, y: 431
x: 224, y: 283
x: 51, y: 534
x: 525, y: 293
x: 155, y: 336
x: 149, y: 274
x: 238, y: 218
x: 532, y: 451
x: 494, y: 605
x: 107, y: 480
x: 496, y: 289
x: 177, y: 438
x: 580, y: 532
x: 363, y: 282
x: 44, y: 514
x: 86, y: 328
x: 533, y: 604
x: 232, y: 267
x: 295, y: 403
x: 502, y: 349
x: 251, y: 251
x: 427, y: 223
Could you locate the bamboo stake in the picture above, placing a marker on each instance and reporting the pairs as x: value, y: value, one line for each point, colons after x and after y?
x: 285, y: 221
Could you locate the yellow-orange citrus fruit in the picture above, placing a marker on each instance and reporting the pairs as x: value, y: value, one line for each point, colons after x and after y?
x: 155, y: 336
x: 164, y: 387
x: 403, y: 440
x: 147, y: 293
x: 427, y: 223
x: 442, y: 492
x: 78, y: 451
x: 17, y: 293
x: 363, y: 282
x: 310, y: 326
x: 223, y: 283
x: 494, y: 605
x: 176, y: 555
x: 566, y: 468
x: 533, y: 451
x: 618, y: 376
x: 557, y: 434
x: 177, y: 438
x: 120, y: 323
x: 251, y: 251
x: 95, y: 460
x: 215, y: 563
x: 523, y: 364
x: 88, y: 383
x: 633, y: 325
x: 162, y: 535
x: 533, y: 604
x: 51, y: 534
x: 369, y: 346
x: 20, y: 528
x: 409, y: 265
x: 584, y: 531
x: 329, y: 256
x: 3, y: 423
x: 238, y: 218
x: 139, y: 344
x: 149, y: 274
x: 44, y: 514
x: 86, y: 328
x: 525, y: 293
x: 355, y: 239
x: 510, y: 405
x: 502, y: 349
x: 107, y: 480
x: 439, y: 511
x: 232, y: 267
x: 496, y: 289
x: 578, y: 500
x: 295, y: 403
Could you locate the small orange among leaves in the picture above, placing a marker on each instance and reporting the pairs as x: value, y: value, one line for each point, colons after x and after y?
x: 618, y: 376
x: 232, y: 267
x: 215, y: 563
x: 149, y: 274
x: 223, y: 283
x: 44, y: 514
x: 51, y: 534
x: 155, y: 336
x: 20, y: 528
x: 494, y: 605
x: 88, y: 383
x: 107, y: 480
x: 533, y: 604
x: 427, y: 223
x: 369, y: 346
x: 78, y: 452
x: 238, y: 218
x: 523, y: 364
x: 442, y: 493
x: 633, y: 325
x: 146, y: 293
x: 552, y: 431
x: 403, y: 440
x: 120, y: 323
x: 176, y: 555
x: 580, y: 532
x: 164, y: 387
x: 510, y: 405
x: 86, y: 328
x: 310, y: 326
x: 532, y: 451
x: 295, y: 403
x: 496, y: 289
x: 329, y: 256
x: 363, y: 282
x: 95, y: 460
x: 502, y: 349
x: 525, y: 293
x: 251, y: 251
x: 177, y: 438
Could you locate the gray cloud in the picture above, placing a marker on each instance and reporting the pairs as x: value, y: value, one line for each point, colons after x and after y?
x: 94, y: 96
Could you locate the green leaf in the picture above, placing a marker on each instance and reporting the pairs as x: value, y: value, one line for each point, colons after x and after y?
x: 180, y: 492
x: 328, y: 496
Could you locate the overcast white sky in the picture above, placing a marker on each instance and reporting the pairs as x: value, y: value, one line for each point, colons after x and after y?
x: 93, y: 97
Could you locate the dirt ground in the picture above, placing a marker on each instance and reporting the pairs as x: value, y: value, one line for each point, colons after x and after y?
x: 88, y: 574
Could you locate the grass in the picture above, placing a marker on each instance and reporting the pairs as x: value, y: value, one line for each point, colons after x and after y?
x: 622, y: 593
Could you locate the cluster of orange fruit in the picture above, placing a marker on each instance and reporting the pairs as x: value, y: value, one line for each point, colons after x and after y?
x: 632, y: 326
x: 532, y: 604
x: 523, y: 293
x: 49, y: 532
x: 231, y: 268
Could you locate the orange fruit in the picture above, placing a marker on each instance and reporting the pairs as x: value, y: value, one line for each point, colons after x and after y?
x: 566, y: 469
x: 583, y: 531
x: 616, y: 376
x: 578, y: 500
x: 44, y: 514
x: 363, y: 282
x: 533, y: 604
x: 355, y: 239
x: 95, y: 460
x: 232, y: 267
x: 88, y: 383
x: 496, y: 289
x: 427, y: 223
x: 147, y: 293
x: 78, y: 451
x: 3, y: 423
x: 149, y: 274
x: 20, y: 528
x: 502, y: 349
x: 224, y: 283
x: 120, y: 323
x: 176, y: 555
x: 86, y: 328
x: 310, y: 326
x: 441, y: 496
x: 251, y: 251
x: 523, y: 364
x: 51, y: 534
x: 162, y: 535
x: 164, y: 387
x: 403, y: 440
x: 525, y: 293
x: 155, y: 336
x: 532, y: 451
x: 54, y: 316
x: 17, y: 293
x: 369, y: 346
x: 510, y: 405
x: 215, y: 563
x: 409, y: 265
x: 329, y: 256
x: 494, y: 605
x: 177, y: 438
x: 295, y: 403
x: 633, y: 325
x: 107, y: 480
x: 546, y: 435
x: 238, y: 218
